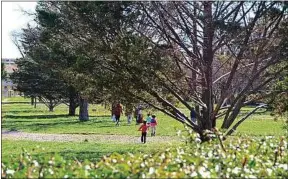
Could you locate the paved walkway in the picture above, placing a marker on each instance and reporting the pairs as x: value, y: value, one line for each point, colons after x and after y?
x: 17, y: 135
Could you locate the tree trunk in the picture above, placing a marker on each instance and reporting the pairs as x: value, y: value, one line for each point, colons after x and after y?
x: 72, y: 103
x: 72, y: 108
x: 35, y: 102
x: 207, y: 96
x: 32, y: 101
x: 51, y: 107
x: 83, y: 111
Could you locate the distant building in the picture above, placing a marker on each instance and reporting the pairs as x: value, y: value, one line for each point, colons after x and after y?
x: 8, y: 88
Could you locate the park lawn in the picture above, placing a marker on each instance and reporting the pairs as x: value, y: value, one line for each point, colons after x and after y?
x: 24, y: 117
x: 80, y: 150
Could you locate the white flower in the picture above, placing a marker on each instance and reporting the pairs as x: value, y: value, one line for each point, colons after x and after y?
x: 162, y: 156
x: 217, y: 168
x: 197, y: 140
x: 269, y: 171
x: 87, y: 167
x: 284, y: 166
x: 51, y: 171
x: 192, y: 167
x: 246, y: 170
x: 203, y: 173
x: 236, y: 170
x: 129, y: 163
x: 142, y: 165
x: 10, y: 172
x: 178, y: 132
x: 65, y: 176
x: 151, y: 170
x: 193, y: 174
x: 35, y: 163
x: 229, y: 170
x: 114, y: 160
x: 50, y: 162
x: 252, y: 176
x: 271, y: 145
x: 178, y: 160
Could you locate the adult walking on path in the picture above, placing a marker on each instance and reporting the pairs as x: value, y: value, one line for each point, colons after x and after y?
x: 118, y: 112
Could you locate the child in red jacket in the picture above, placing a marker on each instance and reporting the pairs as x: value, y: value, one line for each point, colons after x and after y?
x: 144, y: 128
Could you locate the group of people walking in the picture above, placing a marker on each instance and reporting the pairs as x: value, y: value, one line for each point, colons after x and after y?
x: 149, y: 122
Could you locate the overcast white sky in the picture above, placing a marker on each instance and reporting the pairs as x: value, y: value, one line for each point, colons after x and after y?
x: 13, y: 20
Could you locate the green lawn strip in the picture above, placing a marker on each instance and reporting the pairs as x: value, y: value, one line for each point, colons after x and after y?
x: 259, y: 125
x: 24, y: 117
x: 81, y: 150
x: 58, y: 122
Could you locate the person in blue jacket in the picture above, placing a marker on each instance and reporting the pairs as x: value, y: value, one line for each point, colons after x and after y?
x: 193, y: 115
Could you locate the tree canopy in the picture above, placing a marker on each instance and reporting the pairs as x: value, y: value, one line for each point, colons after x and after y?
x: 217, y: 55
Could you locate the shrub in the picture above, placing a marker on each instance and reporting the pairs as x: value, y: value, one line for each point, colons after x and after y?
x: 240, y: 157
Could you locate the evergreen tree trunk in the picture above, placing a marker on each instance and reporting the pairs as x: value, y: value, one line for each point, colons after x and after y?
x: 32, y: 101
x: 51, y: 107
x: 35, y: 101
x: 83, y: 111
x: 72, y: 108
x: 72, y: 103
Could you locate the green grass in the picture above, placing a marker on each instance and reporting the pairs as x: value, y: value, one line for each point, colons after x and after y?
x: 81, y: 150
x: 24, y: 117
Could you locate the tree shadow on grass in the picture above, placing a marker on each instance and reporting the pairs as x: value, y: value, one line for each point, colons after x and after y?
x: 19, y: 125
x: 11, y: 126
x: 48, y: 116
x: 37, y: 116
x: 23, y: 111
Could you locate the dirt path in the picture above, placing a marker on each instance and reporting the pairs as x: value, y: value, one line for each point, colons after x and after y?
x: 17, y: 135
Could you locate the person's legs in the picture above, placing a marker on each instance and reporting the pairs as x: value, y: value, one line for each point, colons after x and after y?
x: 137, y: 119
x: 144, y: 138
x: 152, y: 130
x: 129, y: 118
x: 117, y: 119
